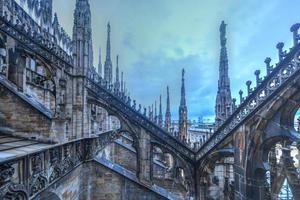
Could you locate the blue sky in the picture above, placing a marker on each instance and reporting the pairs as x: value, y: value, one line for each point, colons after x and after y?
x: 157, y: 38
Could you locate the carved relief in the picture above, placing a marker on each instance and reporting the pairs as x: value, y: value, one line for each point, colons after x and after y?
x: 38, y: 179
x: 67, y: 162
x: 55, y: 168
x: 9, y: 189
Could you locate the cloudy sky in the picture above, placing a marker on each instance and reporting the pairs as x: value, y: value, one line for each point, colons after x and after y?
x: 157, y: 38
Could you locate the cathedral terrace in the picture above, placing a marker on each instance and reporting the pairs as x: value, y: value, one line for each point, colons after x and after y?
x: 141, y: 124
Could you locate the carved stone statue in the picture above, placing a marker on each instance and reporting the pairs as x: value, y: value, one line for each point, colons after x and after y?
x: 214, y: 191
x: 134, y: 104
x: 223, y: 33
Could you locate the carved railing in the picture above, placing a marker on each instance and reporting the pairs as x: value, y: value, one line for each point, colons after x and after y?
x: 15, y: 22
x: 37, y: 16
x: 99, y: 89
x: 277, y: 78
x: 38, y: 80
x: 26, y: 176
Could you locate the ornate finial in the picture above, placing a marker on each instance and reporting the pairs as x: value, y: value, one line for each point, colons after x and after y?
x: 249, y: 89
x: 182, y: 101
x: 117, y: 83
x: 100, y: 63
x: 108, y: 27
x: 234, y: 103
x: 55, y: 20
x: 296, y: 35
x: 223, y: 33
x: 155, y: 113
x: 122, y: 83
x: 128, y: 102
x: 281, y: 53
x: 149, y: 112
x: 108, y: 42
x: 124, y: 89
x: 117, y: 60
x: 168, y: 112
x: 258, y: 79
x: 134, y: 105
x: 108, y: 71
x: 268, y: 65
x: 152, y: 116
x: 183, y: 112
x: 160, y: 117
x: 241, y: 96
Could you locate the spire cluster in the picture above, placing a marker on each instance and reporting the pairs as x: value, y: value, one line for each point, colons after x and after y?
x: 117, y: 85
x: 182, y: 130
x: 225, y: 106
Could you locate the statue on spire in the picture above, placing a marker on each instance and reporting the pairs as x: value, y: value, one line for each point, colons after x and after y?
x: 223, y: 33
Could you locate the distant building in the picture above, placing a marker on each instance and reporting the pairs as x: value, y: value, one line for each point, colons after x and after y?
x: 197, y: 131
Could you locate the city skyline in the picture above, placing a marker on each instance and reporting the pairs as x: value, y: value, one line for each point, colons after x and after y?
x: 149, y: 46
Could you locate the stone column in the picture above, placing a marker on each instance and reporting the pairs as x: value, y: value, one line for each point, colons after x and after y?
x: 144, y: 153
